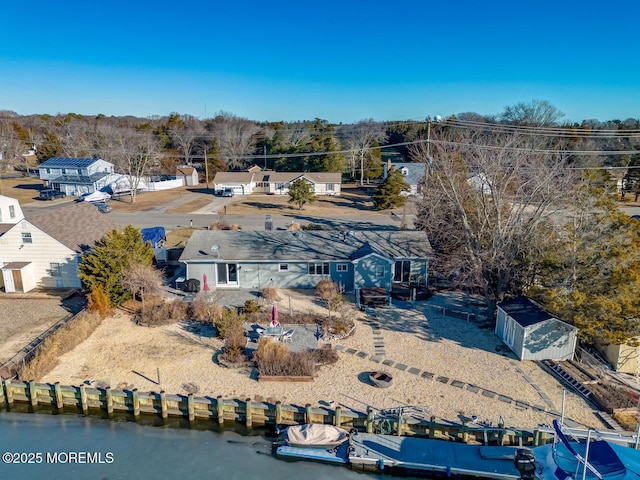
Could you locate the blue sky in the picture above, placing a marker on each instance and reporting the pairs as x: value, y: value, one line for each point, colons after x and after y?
x: 337, y: 60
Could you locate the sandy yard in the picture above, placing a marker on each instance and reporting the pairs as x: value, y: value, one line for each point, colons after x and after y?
x: 123, y: 355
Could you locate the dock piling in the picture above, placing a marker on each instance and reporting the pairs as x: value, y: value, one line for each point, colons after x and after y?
x: 163, y: 404
x: 191, y: 409
x: 109, y: 400
x: 136, y: 402
x: 33, y: 396
x: 278, y: 412
x: 58, y: 393
x: 8, y: 389
x: 247, y: 408
x: 220, y: 409
x: 83, y: 400
x: 338, y: 416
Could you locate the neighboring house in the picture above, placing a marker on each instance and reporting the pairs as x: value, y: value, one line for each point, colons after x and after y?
x: 44, y: 250
x: 284, y: 259
x: 10, y: 211
x: 622, y: 358
x: 277, y: 183
x: 532, y: 333
x: 413, y: 175
x: 76, y: 176
x: 189, y: 175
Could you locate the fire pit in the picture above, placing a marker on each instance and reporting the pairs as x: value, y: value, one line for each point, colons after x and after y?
x: 380, y: 379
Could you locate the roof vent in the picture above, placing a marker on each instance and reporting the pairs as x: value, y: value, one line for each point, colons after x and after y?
x: 215, y: 249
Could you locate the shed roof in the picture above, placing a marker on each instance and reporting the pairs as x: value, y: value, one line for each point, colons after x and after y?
x: 78, y: 226
x: 68, y: 162
x: 302, y: 246
x: 15, y: 265
x: 525, y: 311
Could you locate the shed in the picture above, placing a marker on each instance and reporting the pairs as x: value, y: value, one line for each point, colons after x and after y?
x: 18, y: 277
x: 532, y: 333
x: 189, y: 175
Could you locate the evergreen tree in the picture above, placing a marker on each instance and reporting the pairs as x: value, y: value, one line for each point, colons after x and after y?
x: 388, y: 194
x: 300, y: 193
x: 104, y: 265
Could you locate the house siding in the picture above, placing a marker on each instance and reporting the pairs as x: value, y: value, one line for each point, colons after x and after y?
x: 549, y: 340
x: 366, y: 269
x: 41, y: 253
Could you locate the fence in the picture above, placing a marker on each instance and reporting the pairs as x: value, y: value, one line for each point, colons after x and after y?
x: 249, y: 413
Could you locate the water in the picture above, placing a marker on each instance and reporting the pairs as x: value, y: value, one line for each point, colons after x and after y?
x: 128, y: 450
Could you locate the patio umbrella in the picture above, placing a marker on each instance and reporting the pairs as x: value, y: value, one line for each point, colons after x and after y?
x: 274, y: 316
x: 205, y: 285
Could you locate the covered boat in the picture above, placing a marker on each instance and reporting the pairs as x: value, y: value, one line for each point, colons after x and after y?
x: 315, y: 436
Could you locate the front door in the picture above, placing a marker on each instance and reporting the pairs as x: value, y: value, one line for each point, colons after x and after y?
x: 402, y: 271
x: 227, y: 274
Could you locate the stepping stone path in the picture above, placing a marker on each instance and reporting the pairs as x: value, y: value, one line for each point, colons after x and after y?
x: 378, y: 339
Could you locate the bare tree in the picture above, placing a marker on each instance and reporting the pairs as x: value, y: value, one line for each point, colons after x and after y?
x: 186, y: 134
x: 360, y: 138
x: 134, y: 152
x: 536, y: 113
x: 487, y: 209
x: 236, y: 137
x: 142, y: 280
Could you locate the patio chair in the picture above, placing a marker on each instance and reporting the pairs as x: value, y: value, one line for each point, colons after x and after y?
x: 286, y: 336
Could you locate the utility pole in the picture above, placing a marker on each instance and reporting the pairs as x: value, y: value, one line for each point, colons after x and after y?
x: 265, y: 156
x: 206, y: 168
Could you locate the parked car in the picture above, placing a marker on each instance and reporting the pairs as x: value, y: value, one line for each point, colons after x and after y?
x: 103, y: 207
x: 51, y: 194
x: 227, y: 192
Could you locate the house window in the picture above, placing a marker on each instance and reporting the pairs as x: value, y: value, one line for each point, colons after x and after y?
x: 64, y: 171
x: 342, y: 267
x: 283, y: 267
x: 379, y: 271
x: 331, y: 187
x: 402, y: 271
x: 26, y: 237
x: 280, y: 186
x: 319, y: 268
x: 54, y: 270
x: 12, y: 211
x: 48, y: 170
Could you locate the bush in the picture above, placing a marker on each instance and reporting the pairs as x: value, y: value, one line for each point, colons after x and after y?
x: 250, y: 307
x: 205, y: 309
x: 271, y: 294
x: 326, y: 289
x: 274, y: 359
x: 229, y: 323
x: 324, y: 356
x: 164, y: 314
x: 98, y: 301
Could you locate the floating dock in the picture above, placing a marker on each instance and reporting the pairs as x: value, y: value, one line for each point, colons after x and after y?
x: 433, y: 457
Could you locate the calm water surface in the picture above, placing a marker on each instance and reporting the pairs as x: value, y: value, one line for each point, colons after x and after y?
x: 130, y: 450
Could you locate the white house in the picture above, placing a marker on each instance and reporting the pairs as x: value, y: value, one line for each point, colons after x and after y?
x: 10, y: 211
x: 44, y: 250
x: 76, y: 176
x: 532, y: 333
x: 277, y: 183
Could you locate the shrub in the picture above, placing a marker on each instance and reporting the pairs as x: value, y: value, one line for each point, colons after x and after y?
x: 164, y: 314
x: 229, y: 322
x: 326, y: 289
x: 98, y: 301
x: 274, y: 359
x: 250, y: 306
x: 324, y: 356
x: 294, y: 227
x: 205, y: 308
x: 271, y: 294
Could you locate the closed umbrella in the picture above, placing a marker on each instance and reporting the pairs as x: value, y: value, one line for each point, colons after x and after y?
x: 205, y: 285
x: 274, y: 316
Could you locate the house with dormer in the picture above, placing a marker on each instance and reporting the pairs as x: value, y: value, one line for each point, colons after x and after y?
x: 413, y: 173
x: 277, y: 183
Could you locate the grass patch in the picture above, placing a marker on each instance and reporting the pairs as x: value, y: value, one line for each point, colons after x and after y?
x: 58, y: 343
x: 191, y: 206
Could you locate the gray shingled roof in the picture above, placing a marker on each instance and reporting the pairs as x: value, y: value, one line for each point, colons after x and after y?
x: 5, y: 227
x: 77, y: 225
x: 302, y: 246
x: 415, y: 172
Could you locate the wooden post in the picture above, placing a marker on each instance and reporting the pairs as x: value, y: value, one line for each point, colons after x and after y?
x: 8, y: 389
x: 136, y: 403
x: 58, y: 392
x: 501, y: 437
x: 109, y: 400
x: 33, y: 396
x: 465, y: 433
x: 2, y: 397
x: 432, y: 427
x: 220, y: 409
x: 338, y: 416
x: 278, y: 412
x: 191, y: 408
x: 399, y: 432
x: 370, y: 417
x: 83, y: 400
x: 247, y: 412
x: 307, y: 413
x: 163, y: 404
